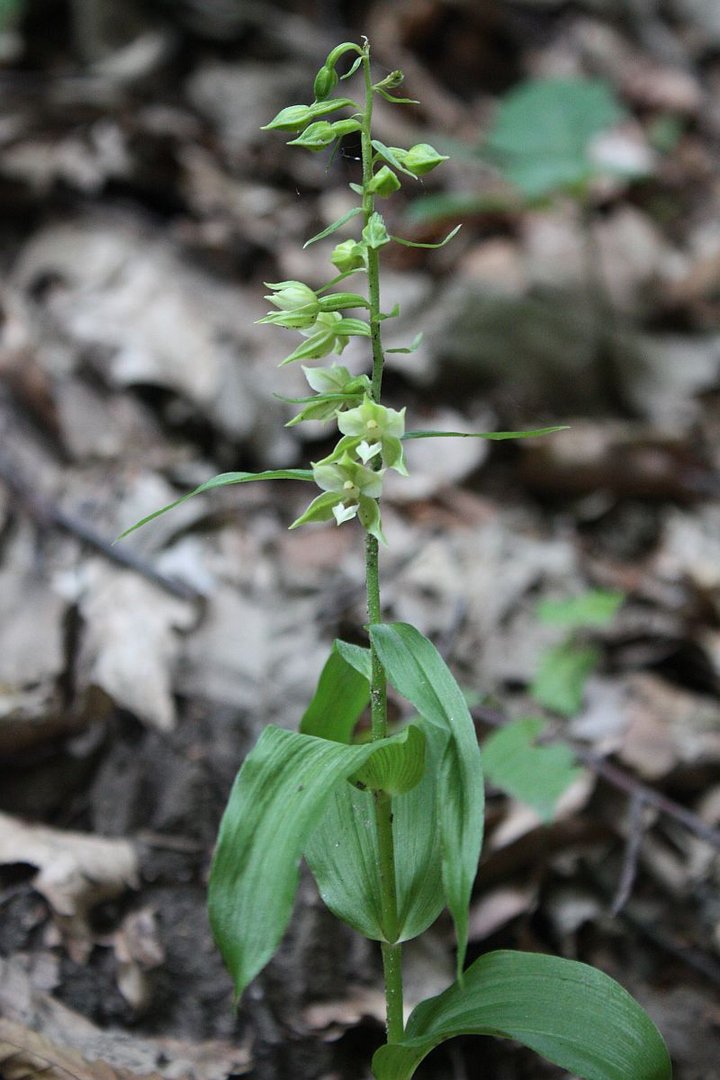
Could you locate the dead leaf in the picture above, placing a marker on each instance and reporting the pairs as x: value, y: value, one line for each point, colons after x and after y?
x: 25, y: 1055
x: 75, y: 871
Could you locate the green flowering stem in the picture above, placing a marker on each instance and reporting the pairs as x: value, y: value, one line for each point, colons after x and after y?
x: 391, y: 952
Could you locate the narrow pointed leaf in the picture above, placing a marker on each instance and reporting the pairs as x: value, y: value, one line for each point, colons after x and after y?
x: 417, y: 244
x: 537, y: 775
x: 392, y: 159
x: 341, y: 695
x: 343, y: 854
x: 222, y: 480
x: 334, y: 227
x: 411, y: 348
x: 573, y: 1015
x: 416, y: 669
x: 276, y: 801
x: 496, y: 435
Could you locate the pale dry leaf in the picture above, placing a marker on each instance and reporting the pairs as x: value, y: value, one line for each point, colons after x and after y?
x: 26, y: 1055
x: 75, y: 870
x: 130, y: 643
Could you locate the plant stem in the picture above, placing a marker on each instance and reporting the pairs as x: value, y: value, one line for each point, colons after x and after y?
x: 391, y: 952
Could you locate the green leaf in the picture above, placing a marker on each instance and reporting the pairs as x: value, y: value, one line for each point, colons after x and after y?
x: 416, y: 669
x: 596, y: 607
x: 338, y: 301
x: 495, y: 435
x: 395, y: 767
x: 543, y: 130
x: 537, y: 775
x: 573, y: 1015
x: 222, y: 480
x: 375, y: 235
x: 411, y: 348
x: 344, y: 859
x: 416, y: 244
x: 342, y: 693
x: 395, y: 100
x: 563, y: 671
x: 276, y: 801
x: 386, y: 153
x: 334, y: 227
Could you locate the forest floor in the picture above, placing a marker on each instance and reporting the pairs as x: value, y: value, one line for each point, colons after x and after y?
x: 141, y: 209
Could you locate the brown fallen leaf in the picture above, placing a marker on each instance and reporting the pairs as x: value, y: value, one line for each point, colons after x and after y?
x: 25, y: 1055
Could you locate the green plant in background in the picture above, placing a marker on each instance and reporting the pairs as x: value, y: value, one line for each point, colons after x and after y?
x: 564, y: 669
x: 541, y: 141
x: 391, y: 826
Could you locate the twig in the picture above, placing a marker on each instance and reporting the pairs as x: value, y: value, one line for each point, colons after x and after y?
x: 645, y: 796
x: 632, y: 851
x: 48, y: 515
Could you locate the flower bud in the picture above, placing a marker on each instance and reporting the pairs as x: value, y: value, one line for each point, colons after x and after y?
x: 293, y: 118
x: 349, y: 255
x: 384, y: 182
x: 422, y: 158
x: 292, y: 295
x: 325, y: 82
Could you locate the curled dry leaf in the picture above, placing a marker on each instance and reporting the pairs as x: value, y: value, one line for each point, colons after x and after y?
x: 75, y: 871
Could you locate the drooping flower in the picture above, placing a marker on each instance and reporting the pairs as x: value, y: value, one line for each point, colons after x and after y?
x: 379, y: 430
x: 349, y: 489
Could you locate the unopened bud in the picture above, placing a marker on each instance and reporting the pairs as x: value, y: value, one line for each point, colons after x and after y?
x: 325, y: 82
x: 384, y: 182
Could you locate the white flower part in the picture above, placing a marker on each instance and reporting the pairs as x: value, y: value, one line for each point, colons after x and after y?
x: 344, y: 513
x: 366, y: 450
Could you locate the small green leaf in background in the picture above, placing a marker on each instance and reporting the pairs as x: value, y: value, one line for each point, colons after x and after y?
x: 343, y: 856
x: 537, y: 775
x: 543, y: 130
x: 574, y: 1015
x: 596, y: 607
x: 343, y: 691
x: 561, y: 677
x: 417, y: 671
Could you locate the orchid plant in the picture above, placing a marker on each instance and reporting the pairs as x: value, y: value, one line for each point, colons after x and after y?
x: 391, y: 826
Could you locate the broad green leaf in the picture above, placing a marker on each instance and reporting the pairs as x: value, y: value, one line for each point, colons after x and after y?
x: 395, y: 767
x: 222, y: 480
x: 416, y: 669
x: 416, y: 244
x: 573, y: 1015
x: 276, y: 801
x: 343, y: 855
x: 537, y: 775
x: 496, y: 435
x: 597, y: 607
x: 543, y: 130
x: 341, y: 695
x: 334, y: 227
x: 563, y: 671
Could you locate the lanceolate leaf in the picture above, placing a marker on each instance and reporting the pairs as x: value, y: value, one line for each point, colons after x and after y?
x: 571, y: 1014
x: 343, y: 854
x: 341, y: 695
x: 416, y: 669
x: 416, y: 244
x: 222, y: 480
x: 497, y: 435
x: 334, y: 227
x: 276, y: 801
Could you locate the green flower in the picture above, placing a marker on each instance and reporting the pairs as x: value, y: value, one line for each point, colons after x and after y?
x: 324, y: 336
x: 349, y: 255
x: 350, y: 490
x: 378, y: 430
x: 299, y: 305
